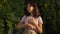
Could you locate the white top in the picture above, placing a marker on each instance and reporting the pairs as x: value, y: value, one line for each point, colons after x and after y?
x: 26, y: 19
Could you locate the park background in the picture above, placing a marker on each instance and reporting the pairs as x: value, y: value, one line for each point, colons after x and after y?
x: 11, y: 11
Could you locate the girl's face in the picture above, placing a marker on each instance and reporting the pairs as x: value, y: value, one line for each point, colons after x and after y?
x: 30, y: 8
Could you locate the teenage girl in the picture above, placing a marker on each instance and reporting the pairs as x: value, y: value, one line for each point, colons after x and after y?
x: 31, y: 21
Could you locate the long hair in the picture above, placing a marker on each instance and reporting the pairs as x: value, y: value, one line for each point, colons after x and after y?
x: 35, y: 12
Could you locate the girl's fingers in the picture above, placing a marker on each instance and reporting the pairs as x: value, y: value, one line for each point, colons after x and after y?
x: 31, y: 26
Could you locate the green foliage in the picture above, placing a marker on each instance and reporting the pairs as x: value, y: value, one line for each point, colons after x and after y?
x: 11, y: 12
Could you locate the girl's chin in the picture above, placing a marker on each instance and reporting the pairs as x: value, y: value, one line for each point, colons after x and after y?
x: 30, y: 11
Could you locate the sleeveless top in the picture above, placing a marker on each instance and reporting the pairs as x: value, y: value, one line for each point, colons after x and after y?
x: 26, y: 19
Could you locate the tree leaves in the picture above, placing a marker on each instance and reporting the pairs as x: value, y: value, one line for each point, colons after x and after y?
x: 11, y: 12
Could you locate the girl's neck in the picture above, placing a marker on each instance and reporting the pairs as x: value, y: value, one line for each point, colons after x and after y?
x: 31, y: 14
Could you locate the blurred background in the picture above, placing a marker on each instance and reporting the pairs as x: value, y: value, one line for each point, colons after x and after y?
x: 11, y: 11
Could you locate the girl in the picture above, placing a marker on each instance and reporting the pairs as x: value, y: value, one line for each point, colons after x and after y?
x: 31, y: 21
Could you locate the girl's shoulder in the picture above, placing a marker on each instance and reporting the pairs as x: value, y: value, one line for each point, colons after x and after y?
x: 40, y: 19
x: 24, y: 16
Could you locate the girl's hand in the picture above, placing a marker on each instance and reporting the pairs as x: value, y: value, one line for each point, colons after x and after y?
x: 30, y: 26
x: 32, y: 21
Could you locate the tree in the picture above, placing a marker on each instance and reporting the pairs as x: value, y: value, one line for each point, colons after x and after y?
x: 11, y: 12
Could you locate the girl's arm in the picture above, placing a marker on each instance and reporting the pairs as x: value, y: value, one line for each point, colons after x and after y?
x: 39, y: 28
x: 21, y: 25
